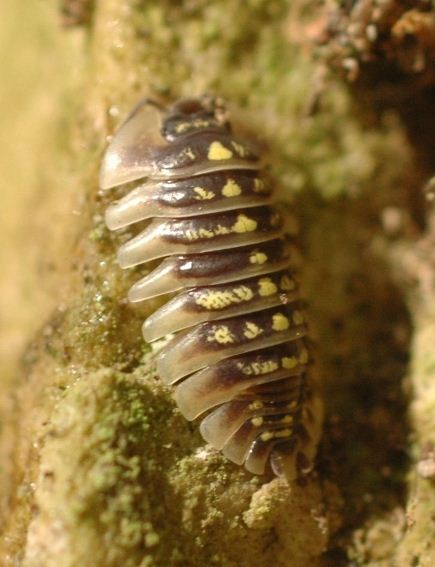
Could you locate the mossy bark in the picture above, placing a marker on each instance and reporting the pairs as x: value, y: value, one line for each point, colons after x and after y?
x: 104, y: 469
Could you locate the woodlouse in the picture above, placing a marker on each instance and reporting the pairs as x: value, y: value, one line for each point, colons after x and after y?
x: 239, y: 355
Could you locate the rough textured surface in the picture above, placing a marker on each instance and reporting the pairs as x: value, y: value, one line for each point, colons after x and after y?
x: 102, y: 469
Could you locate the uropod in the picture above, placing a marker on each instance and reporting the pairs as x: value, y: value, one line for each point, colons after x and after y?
x: 239, y: 357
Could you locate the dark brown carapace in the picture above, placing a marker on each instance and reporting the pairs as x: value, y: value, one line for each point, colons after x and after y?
x: 238, y: 355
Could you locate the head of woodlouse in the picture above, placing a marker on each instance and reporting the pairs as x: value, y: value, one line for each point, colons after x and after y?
x: 190, y: 115
x: 152, y: 143
x: 238, y: 358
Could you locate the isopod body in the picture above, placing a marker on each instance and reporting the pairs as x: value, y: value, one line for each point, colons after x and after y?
x: 238, y: 355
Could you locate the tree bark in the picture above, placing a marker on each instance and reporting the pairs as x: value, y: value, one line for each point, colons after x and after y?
x: 103, y: 470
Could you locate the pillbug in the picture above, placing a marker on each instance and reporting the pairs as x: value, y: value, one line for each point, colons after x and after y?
x: 238, y: 354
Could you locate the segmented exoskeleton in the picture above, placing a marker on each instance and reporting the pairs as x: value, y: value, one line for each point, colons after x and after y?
x: 238, y: 355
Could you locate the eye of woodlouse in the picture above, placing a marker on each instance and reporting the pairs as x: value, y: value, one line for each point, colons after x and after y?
x: 239, y: 355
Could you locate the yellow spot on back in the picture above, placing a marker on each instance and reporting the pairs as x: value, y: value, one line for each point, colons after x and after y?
x: 243, y: 293
x: 182, y: 127
x: 205, y: 233
x: 258, y: 258
x: 252, y: 330
x: 231, y: 189
x: 196, y: 234
x: 198, y: 123
x: 280, y: 322
x: 217, y: 151
x: 264, y: 367
x: 266, y: 287
x: 283, y: 433
x: 219, y: 230
x: 240, y: 150
x: 257, y: 421
x: 211, y: 299
x: 244, y: 224
x: 189, y: 153
x: 255, y: 405
x: 191, y: 234
x: 259, y: 185
x: 266, y: 436
x: 258, y: 368
x: 289, y: 362
x: 203, y: 194
x: 221, y: 335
